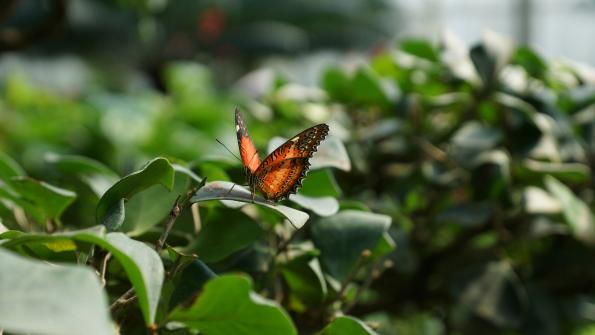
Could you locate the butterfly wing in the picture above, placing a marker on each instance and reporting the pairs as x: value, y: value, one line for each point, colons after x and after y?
x: 281, y: 173
x: 248, y: 151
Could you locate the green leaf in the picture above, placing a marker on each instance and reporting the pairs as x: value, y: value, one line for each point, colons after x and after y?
x: 157, y: 171
x: 228, y: 306
x: 575, y: 211
x: 9, y: 168
x: 492, y: 292
x: 190, y: 282
x: 141, y: 263
x: 323, y: 206
x: 236, y: 196
x: 347, y: 325
x: 320, y: 184
x: 569, y: 172
x: 420, y: 48
x: 337, y: 84
x: 343, y: 237
x: 42, y: 298
x: 50, y: 199
x: 368, y: 90
x: 530, y: 61
x: 93, y: 173
x: 225, y: 231
x: 305, y: 279
x: 485, y: 65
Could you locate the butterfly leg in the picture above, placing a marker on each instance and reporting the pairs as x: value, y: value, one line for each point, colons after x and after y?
x: 228, y: 192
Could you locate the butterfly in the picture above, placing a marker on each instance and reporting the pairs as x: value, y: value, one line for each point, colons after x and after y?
x: 281, y: 172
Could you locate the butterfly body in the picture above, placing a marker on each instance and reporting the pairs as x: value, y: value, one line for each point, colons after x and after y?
x: 280, y: 173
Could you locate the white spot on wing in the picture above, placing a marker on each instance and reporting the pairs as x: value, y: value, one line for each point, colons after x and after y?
x: 237, y: 127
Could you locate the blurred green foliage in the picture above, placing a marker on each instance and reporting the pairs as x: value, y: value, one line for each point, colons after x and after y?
x: 462, y: 203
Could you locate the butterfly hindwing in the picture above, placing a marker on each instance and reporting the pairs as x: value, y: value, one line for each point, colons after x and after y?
x: 282, y: 178
x: 282, y: 172
x: 248, y: 151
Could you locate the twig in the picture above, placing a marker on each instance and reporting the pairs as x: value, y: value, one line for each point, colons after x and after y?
x: 377, y: 270
x: 285, y: 243
x: 103, y: 268
x: 360, y: 262
x: 173, y: 216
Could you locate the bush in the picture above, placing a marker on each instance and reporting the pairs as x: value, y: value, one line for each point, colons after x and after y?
x: 454, y: 196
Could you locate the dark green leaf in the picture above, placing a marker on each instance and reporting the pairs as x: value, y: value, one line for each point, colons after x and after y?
x: 305, y: 280
x: 343, y: 237
x: 223, y: 232
x: 492, y: 292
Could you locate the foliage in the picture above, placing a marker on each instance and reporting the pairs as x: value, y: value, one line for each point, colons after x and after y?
x: 454, y: 195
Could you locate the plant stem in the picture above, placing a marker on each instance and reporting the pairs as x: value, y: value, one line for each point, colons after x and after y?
x: 341, y: 294
x: 378, y: 268
x: 103, y: 268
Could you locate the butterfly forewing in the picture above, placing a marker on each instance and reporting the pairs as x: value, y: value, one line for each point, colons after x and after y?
x: 248, y: 151
x: 281, y: 172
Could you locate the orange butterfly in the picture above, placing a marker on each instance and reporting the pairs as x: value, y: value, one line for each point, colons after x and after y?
x: 280, y: 173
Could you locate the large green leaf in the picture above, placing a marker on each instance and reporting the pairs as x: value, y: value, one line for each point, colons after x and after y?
x: 93, y: 173
x: 141, y: 263
x: 157, y: 171
x: 236, y: 196
x: 347, y: 325
x: 228, y: 306
x: 223, y: 232
x: 41, y: 298
x: 343, y: 237
x: 576, y: 212
x: 51, y: 200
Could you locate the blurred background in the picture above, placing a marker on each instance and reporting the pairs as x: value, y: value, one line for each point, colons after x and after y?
x: 469, y: 123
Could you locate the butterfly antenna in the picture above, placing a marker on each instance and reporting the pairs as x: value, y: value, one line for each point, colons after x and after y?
x: 226, y: 148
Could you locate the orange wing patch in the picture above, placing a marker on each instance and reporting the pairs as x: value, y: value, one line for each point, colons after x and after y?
x: 248, y: 151
x: 283, y: 178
